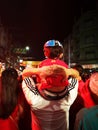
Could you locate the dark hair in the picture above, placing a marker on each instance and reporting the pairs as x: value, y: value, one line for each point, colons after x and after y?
x: 55, y: 51
x: 9, y: 92
x: 79, y: 68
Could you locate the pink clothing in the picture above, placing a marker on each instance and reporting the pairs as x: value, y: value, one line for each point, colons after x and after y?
x: 47, y: 62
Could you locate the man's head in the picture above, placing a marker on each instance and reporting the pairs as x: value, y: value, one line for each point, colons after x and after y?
x: 53, y: 77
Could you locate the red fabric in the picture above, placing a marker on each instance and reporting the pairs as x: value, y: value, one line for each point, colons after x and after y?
x: 35, y: 123
x: 81, y: 85
x: 47, y: 62
x: 10, y: 124
x: 86, y: 96
x: 7, y: 125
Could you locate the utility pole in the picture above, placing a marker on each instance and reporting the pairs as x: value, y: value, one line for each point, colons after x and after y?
x: 69, y: 60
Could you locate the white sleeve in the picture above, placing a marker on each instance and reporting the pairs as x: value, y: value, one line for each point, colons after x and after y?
x: 73, y: 92
x: 29, y: 92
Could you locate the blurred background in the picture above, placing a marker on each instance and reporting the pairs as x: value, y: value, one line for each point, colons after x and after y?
x: 25, y: 25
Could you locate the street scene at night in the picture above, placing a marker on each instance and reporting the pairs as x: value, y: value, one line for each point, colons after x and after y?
x: 48, y: 65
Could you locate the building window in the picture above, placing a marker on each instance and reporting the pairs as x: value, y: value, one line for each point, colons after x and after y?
x: 90, y: 55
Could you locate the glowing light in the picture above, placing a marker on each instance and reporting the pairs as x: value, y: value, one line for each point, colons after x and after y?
x: 27, y: 48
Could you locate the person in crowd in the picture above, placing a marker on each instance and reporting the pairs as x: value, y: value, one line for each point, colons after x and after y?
x: 80, y: 69
x: 89, y: 94
x: 51, y: 96
x: 78, y: 103
x: 88, y: 119
x: 10, y: 107
x: 87, y: 97
x: 53, y: 52
x: 24, y: 120
x: 86, y: 75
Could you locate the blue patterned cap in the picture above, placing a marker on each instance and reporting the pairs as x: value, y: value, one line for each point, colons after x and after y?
x: 52, y: 43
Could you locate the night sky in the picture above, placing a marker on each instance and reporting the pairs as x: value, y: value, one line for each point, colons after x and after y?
x: 33, y: 22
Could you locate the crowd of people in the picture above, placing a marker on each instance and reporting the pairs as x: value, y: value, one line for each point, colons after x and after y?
x: 50, y: 97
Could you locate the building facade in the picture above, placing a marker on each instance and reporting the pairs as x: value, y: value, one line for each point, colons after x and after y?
x: 82, y: 45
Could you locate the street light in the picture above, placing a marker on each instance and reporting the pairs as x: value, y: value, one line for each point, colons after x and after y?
x: 27, y: 48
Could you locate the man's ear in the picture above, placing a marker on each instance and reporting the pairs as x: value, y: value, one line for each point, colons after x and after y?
x: 61, y: 56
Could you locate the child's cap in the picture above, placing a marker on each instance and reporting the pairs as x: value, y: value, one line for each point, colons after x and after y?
x: 52, y: 43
